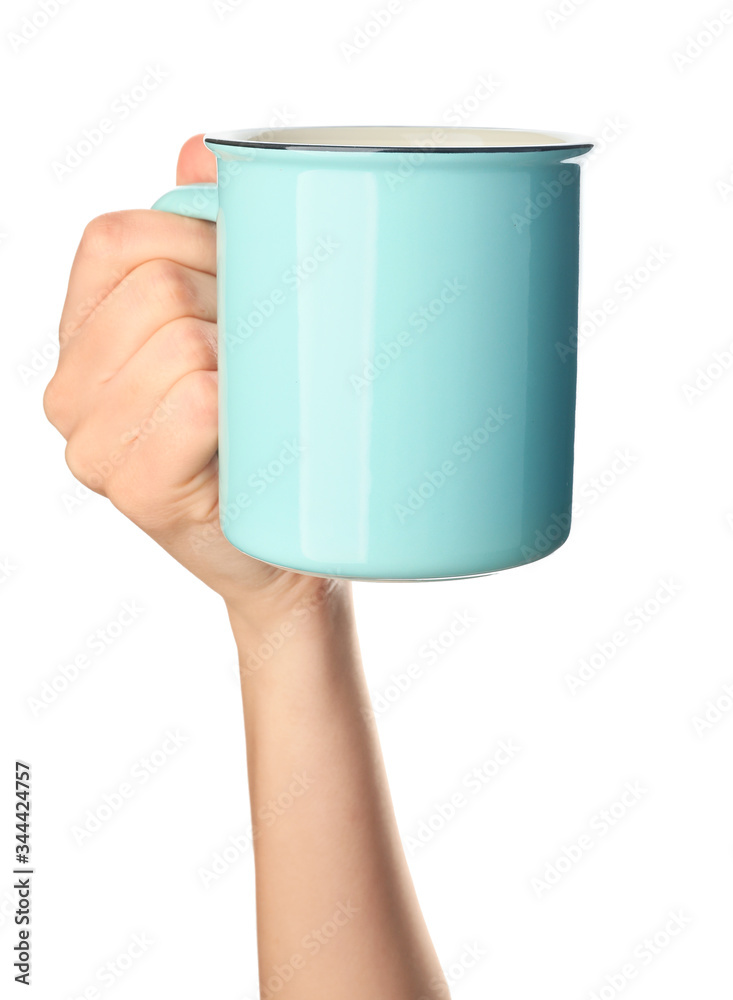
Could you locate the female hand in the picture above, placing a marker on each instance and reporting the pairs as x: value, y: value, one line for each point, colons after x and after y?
x: 135, y: 391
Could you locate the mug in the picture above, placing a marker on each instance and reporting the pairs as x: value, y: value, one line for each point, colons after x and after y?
x: 397, y: 314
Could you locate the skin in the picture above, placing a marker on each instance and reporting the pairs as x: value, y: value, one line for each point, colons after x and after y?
x: 135, y: 397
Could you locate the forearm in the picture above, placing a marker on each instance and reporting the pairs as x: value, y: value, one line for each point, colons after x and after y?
x: 337, y: 913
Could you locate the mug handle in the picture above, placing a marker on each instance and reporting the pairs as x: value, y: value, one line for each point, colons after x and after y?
x: 199, y: 201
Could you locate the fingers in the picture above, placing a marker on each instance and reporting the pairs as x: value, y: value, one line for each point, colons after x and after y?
x: 155, y: 294
x: 176, y: 458
x: 156, y: 465
x: 135, y: 392
x: 152, y: 428
x: 114, y: 244
x: 114, y: 413
x: 181, y: 346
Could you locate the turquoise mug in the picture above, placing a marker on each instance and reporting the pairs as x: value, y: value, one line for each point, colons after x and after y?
x: 395, y: 304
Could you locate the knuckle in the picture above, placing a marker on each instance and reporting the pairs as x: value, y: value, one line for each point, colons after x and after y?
x: 78, y: 463
x: 190, y: 342
x: 59, y: 405
x: 84, y: 461
x: 52, y: 402
x: 106, y: 235
x: 171, y: 284
x: 199, y: 391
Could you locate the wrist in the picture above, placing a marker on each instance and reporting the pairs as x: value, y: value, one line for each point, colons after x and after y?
x: 293, y: 606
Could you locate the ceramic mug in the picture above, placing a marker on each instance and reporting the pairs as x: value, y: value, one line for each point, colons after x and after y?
x: 397, y: 309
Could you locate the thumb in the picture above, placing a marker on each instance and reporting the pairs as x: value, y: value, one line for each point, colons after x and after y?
x: 196, y: 163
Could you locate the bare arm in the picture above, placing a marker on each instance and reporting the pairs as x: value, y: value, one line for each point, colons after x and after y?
x: 337, y: 913
x: 135, y: 395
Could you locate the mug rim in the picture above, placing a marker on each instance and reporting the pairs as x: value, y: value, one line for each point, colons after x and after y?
x: 289, y: 137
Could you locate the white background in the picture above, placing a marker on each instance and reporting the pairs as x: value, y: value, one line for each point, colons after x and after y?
x: 661, y: 180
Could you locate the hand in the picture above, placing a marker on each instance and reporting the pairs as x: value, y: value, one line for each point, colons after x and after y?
x: 135, y: 391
